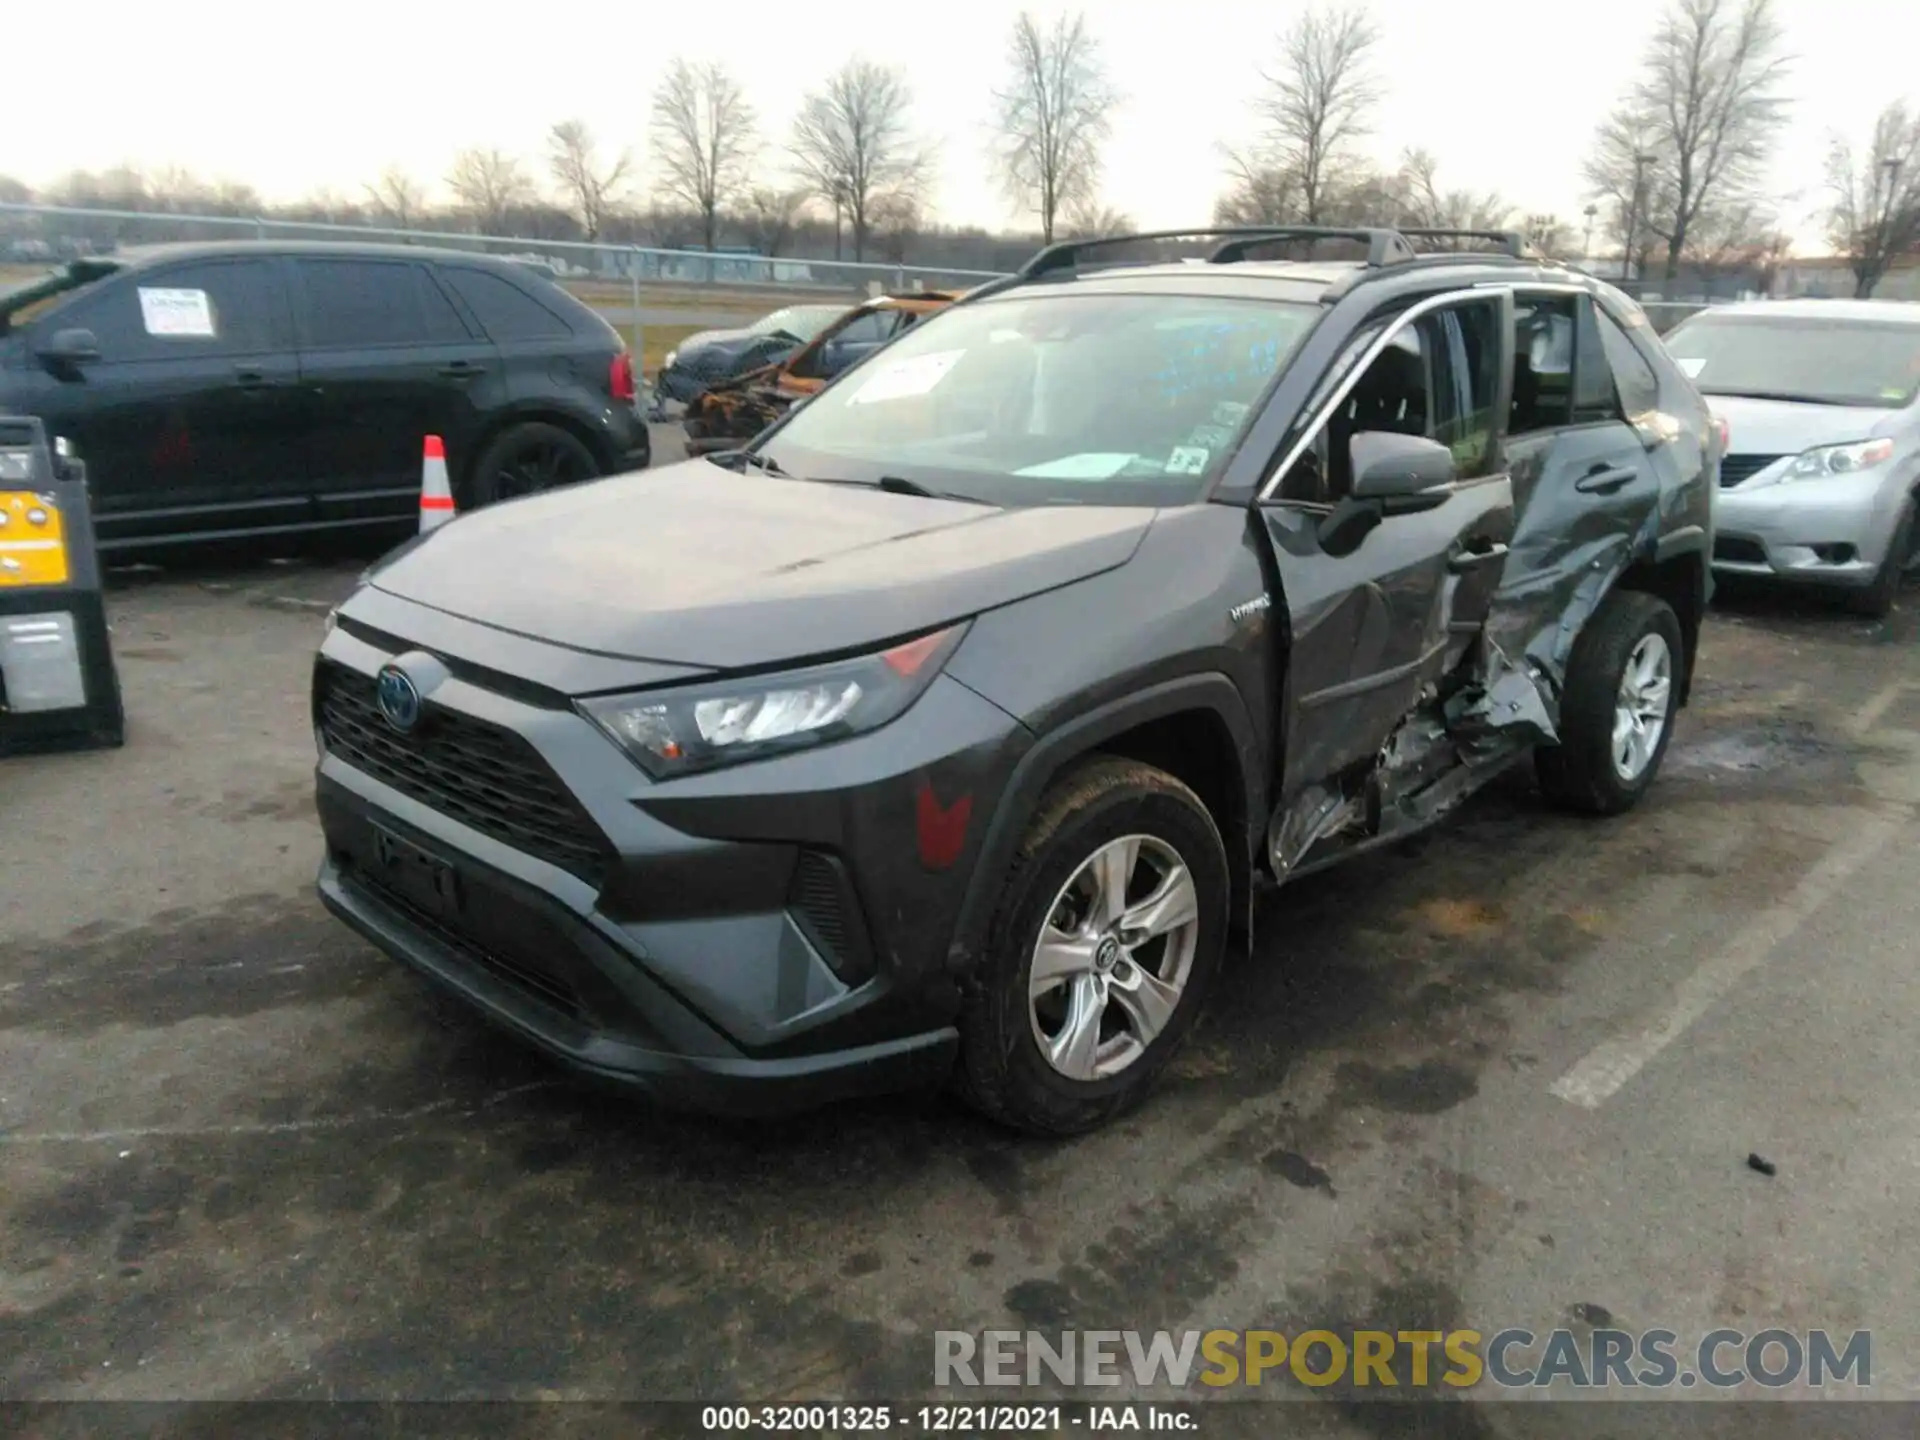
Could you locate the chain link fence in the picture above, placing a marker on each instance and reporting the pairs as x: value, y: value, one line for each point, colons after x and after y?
x: 51, y: 234
x: 633, y: 285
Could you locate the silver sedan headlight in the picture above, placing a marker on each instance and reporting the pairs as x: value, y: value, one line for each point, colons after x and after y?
x: 1830, y: 460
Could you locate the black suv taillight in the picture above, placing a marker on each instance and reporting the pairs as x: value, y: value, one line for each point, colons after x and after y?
x: 620, y: 381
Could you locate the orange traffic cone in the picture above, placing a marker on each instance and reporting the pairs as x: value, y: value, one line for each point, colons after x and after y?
x: 436, y: 494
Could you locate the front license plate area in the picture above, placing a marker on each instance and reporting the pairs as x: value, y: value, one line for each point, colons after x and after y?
x: 423, y: 880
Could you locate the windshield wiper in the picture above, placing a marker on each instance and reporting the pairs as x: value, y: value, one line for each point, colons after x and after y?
x: 742, y: 459
x: 900, y: 485
x: 1788, y: 397
x: 897, y: 485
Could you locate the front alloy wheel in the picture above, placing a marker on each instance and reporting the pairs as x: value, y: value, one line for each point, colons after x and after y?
x: 1113, y: 958
x: 1107, y: 933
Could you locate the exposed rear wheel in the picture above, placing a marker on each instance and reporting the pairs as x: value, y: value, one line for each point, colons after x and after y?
x: 1616, y: 713
x: 527, y: 459
x: 1107, y: 936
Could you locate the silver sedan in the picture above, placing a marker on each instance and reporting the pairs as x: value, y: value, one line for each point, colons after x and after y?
x: 1821, y: 401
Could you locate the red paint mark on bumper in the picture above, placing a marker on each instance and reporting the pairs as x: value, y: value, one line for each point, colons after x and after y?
x: 942, y: 829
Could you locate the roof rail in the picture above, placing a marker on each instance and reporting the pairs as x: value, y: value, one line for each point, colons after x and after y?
x: 1511, y: 242
x: 1065, y: 254
x: 1383, y: 246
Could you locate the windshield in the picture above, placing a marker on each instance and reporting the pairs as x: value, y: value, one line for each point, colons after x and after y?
x: 1099, y: 399
x: 1825, y: 360
x: 803, y: 322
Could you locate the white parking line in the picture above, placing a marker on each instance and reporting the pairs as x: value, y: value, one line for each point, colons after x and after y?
x: 1611, y: 1065
x: 1868, y: 715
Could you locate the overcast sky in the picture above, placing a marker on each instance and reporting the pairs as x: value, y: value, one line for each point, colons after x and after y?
x: 1505, y: 92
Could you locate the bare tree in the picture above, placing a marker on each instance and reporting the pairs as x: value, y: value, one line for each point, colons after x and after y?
x: 1087, y: 220
x: 489, y: 184
x: 896, y: 222
x: 853, y: 144
x: 1697, y: 128
x: 591, y: 187
x: 1875, y: 214
x: 1318, y: 100
x: 1258, y: 193
x: 398, y: 198
x: 769, y: 217
x: 703, y: 139
x: 1052, y: 117
x: 1424, y: 204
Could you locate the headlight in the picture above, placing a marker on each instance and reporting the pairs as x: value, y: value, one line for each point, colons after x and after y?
x: 680, y: 731
x: 1831, y: 460
x: 672, y: 355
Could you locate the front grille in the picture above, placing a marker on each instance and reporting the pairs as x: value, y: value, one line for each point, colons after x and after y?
x: 1735, y: 468
x: 466, y: 769
x: 530, y: 978
x: 1737, y: 551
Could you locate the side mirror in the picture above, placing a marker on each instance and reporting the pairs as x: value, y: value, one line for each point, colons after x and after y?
x: 65, y: 351
x: 1403, y: 472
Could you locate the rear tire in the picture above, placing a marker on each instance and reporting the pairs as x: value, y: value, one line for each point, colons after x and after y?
x: 528, y: 459
x: 1131, y: 1001
x: 1586, y: 771
x: 1876, y: 601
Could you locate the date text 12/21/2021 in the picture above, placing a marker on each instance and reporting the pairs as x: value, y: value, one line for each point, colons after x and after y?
x: 962, y: 1419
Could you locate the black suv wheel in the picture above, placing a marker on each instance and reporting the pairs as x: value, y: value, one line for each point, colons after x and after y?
x: 528, y: 458
x: 1616, y: 714
x: 1107, y: 936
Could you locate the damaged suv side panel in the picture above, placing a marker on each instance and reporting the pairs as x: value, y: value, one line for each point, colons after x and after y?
x: 1430, y: 653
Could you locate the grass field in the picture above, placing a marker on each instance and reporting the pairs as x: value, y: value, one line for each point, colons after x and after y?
x: 659, y: 339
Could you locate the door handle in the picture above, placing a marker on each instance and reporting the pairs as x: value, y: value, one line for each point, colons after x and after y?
x: 1474, y: 559
x: 461, y: 370
x: 247, y: 378
x: 1604, y: 479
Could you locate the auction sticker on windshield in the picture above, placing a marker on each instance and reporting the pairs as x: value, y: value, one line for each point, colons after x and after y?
x: 176, y: 312
x: 1690, y: 368
x: 906, y: 378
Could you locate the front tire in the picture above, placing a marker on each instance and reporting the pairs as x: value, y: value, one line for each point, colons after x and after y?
x: 1106, y: 939
x: 1617, y: 711
x: 1876, y: 601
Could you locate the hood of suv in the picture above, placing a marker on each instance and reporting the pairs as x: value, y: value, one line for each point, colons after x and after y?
x: 1784, y: 427
x: 695, y: 565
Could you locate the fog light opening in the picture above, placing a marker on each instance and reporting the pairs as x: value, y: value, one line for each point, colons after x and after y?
x: 1835, y: 554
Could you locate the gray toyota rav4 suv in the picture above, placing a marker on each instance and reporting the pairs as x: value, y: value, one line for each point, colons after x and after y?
x: 946, y: 731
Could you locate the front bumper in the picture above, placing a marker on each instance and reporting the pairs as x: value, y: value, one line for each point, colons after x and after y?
x: 1828, y: 532
x: 658, y: 1045
x: 752, y: 941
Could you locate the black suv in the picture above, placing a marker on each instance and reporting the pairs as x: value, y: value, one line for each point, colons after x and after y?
x: 948, y: 729
x: 250, y: 389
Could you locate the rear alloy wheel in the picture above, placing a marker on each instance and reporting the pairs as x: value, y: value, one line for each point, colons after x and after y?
x: 1876, y: 601
x: 528, y: 459
x: 1107, y: 936
x: 1616, y: 713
